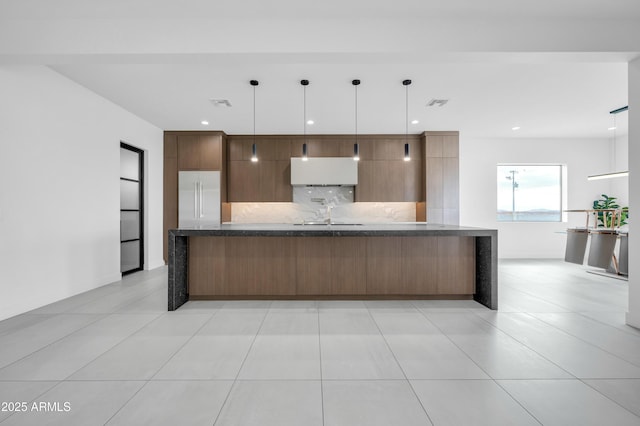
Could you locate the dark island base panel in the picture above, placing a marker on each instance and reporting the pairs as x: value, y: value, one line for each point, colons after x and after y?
x: 178, y: 267
x: 486, y: 270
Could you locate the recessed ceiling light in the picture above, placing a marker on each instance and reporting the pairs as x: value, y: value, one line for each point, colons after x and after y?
x: 612, y: 128
x: 515, y: 128
x: 415, y: 122
x: 310, y: 122
x: 204, y: 122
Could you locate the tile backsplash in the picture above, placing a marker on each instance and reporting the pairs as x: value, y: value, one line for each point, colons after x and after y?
x: 311, y: 205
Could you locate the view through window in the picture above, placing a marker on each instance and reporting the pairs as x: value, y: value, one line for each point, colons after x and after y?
x: 529, y: 193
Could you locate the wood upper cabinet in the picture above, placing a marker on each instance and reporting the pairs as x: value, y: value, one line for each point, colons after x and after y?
x: 269, y: 179
x: 244, y: 181
x: 384, y: 176
x: 441, y: 176
x: 199, y: 151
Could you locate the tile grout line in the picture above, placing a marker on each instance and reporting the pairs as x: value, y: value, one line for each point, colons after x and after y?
x: 146, y: 382
x: 271, y: 380
x: 630, y: 333
x: 138, y: 300
x: 582, y: 340
x: 58, y: 382
x: 573, y: 376
x: 533, y: 315
x: 235, y: 380
x: 184, y: 344
x: 579, y: 276
x: 583, y: 380
x: 566, y: 309
x: 115, y: 292
x: 478, y: 365
x: 607, y: 397
x: 100, y: 317
x: 415, y: 394
x: 20, y: 327
x: 576, y: 378
x: 111, y: 348
x: 116, y: 344
x: 516, y: 400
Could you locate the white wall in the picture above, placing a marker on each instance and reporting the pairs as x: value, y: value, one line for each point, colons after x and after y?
x: 620, y: 186
x: 59, y: 188
x: 633, y: 315
x: 478, y: 160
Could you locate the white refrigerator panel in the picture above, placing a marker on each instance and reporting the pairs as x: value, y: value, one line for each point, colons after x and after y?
x: 187, y: 199
x: 209, y: 198
x: 198, y: 199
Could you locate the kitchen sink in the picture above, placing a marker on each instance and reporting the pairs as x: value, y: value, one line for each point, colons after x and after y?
x: 327, y: 224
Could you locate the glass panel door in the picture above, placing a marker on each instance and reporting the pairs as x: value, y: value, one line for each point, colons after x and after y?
x: 131, y: 209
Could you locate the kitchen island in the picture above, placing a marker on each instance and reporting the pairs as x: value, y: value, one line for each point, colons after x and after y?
x: 373, y: 261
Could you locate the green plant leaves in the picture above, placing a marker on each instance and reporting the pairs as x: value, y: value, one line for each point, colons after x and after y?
x: 609, y: 203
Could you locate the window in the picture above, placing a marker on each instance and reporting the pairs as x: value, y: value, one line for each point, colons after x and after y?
x: 530, y: 192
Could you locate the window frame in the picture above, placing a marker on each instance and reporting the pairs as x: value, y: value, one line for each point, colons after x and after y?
x: 563, y: 191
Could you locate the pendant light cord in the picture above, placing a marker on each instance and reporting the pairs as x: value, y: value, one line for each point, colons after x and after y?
x: 304, y: 111
x: 406, y: 115
x: 356, y: 112
x: 254, y: 115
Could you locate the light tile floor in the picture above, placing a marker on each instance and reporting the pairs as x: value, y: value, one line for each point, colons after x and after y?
x: 556, y: 353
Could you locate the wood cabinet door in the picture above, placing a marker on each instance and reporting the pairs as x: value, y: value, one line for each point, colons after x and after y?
x: 348, y: 266
x: 419, y: 265
x: 207, y: 264
x: 210, y: 152
x: 384, y: 265
x: 456, y: 265
x: 199, y: 152
x: 244, y: 182
x: 189, y: 152
x: 313, y: 260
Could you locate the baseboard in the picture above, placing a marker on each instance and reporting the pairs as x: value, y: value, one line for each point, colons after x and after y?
x: 633, y: 320
x: 107, y: 279
x: 155, y: 264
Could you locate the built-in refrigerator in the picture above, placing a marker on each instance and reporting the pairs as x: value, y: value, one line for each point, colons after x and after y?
x: 198, y: 199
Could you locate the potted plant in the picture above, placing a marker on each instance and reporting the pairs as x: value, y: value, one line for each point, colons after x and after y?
x: 609, y: 203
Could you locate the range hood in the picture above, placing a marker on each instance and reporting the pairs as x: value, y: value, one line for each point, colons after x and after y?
x: 324, y: 171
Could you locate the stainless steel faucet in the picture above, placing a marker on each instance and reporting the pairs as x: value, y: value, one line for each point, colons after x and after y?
x: 328, y: 220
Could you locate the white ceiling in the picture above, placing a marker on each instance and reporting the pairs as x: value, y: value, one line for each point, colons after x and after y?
x: 506, y: 63
x: 485, y: 100
x: 580, y: 9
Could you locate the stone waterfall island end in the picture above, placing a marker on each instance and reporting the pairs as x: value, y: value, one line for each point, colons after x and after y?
x: 377, y: 261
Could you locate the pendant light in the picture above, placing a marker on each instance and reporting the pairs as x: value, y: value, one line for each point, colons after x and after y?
x: 614, y: 128
x: 407, y: 154
x: 356, y: 146
x: 254, y: 151
x: 304, y: 84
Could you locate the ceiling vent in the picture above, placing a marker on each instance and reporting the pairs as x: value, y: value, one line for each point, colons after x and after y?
x: 437, y: 102
x: 221, y: 102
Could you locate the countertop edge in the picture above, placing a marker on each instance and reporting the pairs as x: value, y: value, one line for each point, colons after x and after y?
x: 350, y: 231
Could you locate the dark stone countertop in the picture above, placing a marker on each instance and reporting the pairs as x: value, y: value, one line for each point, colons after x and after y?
x: 335, y: 230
